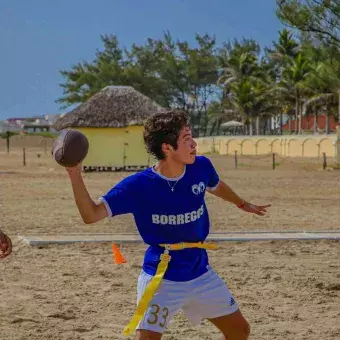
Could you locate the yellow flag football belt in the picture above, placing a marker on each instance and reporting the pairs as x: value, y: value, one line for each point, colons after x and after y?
x: 153, y: 285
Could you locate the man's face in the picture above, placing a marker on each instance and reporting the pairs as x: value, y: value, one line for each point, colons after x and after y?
x: 186, y: 150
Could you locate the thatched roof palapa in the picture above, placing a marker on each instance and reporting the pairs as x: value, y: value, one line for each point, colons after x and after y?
x: 232, y: 123
x: 113, y: 106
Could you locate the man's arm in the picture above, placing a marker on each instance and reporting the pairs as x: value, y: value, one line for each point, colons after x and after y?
x: 224, y: 192
x: 5, y: 245
x: 90, y: 211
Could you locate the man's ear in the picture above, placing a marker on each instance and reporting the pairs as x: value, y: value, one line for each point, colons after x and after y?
x: 167, y: 148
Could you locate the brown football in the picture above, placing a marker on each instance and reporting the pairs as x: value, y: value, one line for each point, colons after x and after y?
x: 70, y: 148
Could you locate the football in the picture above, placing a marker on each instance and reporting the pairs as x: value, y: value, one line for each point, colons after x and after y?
x: 70, y: 148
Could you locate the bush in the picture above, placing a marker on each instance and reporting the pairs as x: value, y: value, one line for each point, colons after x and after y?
x: 4, y: 134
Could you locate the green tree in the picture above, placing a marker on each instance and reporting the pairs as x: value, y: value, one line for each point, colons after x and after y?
x: 324, y: 88
x: 86, y: 78
x: 319, y: 25
x: 294, y: 79
x: 283, y: 50
x: 231, y: 51
x: 278, y: 58
x: 191, y: 75
x: 320, y: 18
x: 216, y: 115
x: 244, y: 82
x: 170, y: 72
x: 251, y: 99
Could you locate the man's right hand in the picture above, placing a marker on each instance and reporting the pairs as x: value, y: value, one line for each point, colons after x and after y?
x: 75, y: 170
x: 5, y: 245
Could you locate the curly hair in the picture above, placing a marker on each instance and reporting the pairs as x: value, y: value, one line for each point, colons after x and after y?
x: 163, y: 127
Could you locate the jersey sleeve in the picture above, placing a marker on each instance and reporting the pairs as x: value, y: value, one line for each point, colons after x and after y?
x: 213, y: 178
x: 121, y: 199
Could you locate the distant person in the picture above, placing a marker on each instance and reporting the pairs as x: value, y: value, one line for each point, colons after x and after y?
x: 167, y: 201
x: 5, y: 245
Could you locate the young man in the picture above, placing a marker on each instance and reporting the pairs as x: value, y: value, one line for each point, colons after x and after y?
x: 167, y: 201
x: 5, y: 245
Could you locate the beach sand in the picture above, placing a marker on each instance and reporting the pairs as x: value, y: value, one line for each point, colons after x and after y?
x: 285, y: 289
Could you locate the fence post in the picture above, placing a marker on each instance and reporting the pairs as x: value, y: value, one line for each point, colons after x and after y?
x: 273, y: 160
x: 7, y: 140
x: 235, y: 159
x: 337, y: 146
x: 324, y: 162
x: 24, y: 156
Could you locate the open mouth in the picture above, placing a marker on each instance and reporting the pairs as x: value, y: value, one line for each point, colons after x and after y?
x: 193, y: 153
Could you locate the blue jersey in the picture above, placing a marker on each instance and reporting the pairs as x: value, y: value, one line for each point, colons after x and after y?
x: 163, y: 215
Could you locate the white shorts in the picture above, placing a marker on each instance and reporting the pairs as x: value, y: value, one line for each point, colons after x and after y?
x: 205, y: 297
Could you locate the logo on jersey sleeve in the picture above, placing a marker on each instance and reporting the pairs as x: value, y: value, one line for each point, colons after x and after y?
x: 179, y: 218
x: 198, y: 188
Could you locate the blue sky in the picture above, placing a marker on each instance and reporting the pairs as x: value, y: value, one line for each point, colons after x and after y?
x: 38, y: 38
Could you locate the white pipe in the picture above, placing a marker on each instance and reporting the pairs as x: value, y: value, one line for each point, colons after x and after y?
x: 217, y: 237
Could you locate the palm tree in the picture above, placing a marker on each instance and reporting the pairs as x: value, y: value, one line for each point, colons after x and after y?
x: 276, y: 60
x: 294, y: 79
x: 251, y: 99
x: 218, y: 112
x: 330, y: 78
x: 285, y: 49
x: 324, y: 91
x: 325, y: 78
x: 246, y: 67
x: 240, y: 82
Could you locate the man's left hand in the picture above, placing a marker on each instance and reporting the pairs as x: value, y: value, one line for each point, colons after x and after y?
x: 254, y: 209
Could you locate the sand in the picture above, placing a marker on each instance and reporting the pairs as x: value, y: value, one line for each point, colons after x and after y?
x: 286, y: 289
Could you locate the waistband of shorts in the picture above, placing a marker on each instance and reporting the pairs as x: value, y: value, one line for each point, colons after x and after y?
x: 208, y: 271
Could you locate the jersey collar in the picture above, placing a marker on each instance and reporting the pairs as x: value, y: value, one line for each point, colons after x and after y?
x: 169, y: 178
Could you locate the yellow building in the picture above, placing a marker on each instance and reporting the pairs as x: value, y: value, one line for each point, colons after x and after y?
x: 112, y: 120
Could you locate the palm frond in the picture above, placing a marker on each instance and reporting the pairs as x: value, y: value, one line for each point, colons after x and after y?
x: 318, y: 99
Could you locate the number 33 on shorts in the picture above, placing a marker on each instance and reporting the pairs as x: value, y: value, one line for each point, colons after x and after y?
x: 157, y: 315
